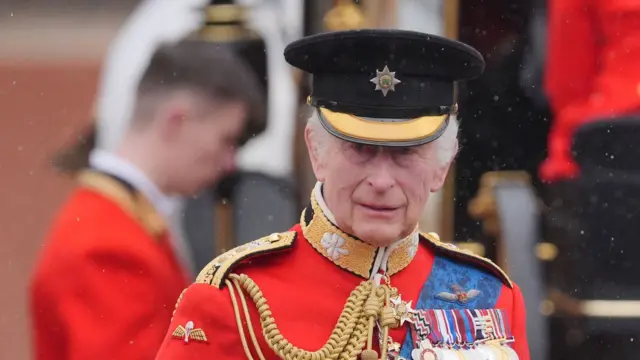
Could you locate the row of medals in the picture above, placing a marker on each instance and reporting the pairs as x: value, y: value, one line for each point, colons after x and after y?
x: 488, y: 350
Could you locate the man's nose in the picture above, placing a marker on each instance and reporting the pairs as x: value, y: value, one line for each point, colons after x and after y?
x: 381, y: 177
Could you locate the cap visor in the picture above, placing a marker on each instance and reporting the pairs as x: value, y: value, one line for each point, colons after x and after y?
x: 396, y: 132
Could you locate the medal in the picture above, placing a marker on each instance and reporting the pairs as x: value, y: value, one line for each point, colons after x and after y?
x: 511, y: 354
x: 499, y: 349
x: 471, y: 354
x: 425, y: 354
x: 451, y: 354
x: 486, y: 353
x: 402, y: 310
x: 425, y: 351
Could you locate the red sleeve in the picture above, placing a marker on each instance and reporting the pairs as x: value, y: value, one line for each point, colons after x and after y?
x: 572, y: 52
x: 211, y: 310
x: 519, y: 325
x: 109, y: 304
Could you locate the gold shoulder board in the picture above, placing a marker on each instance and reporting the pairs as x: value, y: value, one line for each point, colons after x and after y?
x: 217, y: 270
x: 466, y: 255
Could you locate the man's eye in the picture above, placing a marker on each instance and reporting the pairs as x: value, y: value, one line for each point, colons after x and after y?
x: 359, y: 153
x: 361, y: 148
x: 403, y: 151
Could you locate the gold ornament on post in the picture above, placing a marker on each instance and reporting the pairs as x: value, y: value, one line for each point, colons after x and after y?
x: 345, y: 15
x: 227, y: 23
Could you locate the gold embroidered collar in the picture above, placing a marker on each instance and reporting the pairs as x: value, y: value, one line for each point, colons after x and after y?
x: 134, y: 203
x: 348, y: 252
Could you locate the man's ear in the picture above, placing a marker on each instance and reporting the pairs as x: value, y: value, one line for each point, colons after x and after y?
x: 171, y: 117
x: 440, y: 174
x: 313, y: 147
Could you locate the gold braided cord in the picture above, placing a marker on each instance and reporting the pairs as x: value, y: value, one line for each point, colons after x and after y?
x: 347, y: 339
x: 252, y: 333
x: 386, y: 318
x: 173, y: 314
x: 243, y: 338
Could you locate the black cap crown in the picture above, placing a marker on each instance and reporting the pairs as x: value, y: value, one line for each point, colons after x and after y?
x: 385, y: 87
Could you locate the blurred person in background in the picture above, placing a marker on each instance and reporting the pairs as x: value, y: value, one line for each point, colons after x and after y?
x: 592, y: 72
x: 356, y: 278
x: 111, y: 268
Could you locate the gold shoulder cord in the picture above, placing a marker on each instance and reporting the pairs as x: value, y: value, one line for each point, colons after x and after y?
x: 366, y: 304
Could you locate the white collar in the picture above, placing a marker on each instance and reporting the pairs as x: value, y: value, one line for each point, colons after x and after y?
x: 110, y: 163
x: 317, y: 192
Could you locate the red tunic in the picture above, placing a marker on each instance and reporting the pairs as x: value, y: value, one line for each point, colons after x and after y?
x: 306, y: 279
x: 107, y: 279
x: 592, y: 70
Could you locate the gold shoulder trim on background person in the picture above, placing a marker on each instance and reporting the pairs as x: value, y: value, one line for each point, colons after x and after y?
x: 466, y: 255
x: 132, y: 202
x: 217, y: 271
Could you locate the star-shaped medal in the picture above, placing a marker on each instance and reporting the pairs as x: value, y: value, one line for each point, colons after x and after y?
x: 385, y: 80
x: 402, y: 309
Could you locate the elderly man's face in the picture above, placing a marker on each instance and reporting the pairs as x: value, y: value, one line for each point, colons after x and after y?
x: 375, y: 193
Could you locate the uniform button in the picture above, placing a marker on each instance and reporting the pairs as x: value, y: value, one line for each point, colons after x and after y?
x: 274, y: 237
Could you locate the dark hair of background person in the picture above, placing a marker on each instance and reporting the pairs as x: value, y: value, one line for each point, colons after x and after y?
x: 206, y: 68
x: 209, y: 68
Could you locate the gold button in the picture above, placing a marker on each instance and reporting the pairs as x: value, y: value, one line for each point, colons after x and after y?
x: 546, y: 251
x: 274, y: 237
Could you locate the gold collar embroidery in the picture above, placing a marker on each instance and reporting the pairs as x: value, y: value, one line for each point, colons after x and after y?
x: 348, y: 252
x: 135, y: 204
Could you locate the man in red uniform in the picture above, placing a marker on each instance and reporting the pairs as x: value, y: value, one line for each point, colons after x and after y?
x: 356, y: 278
x: 111, y: 270
x: 592, y: 78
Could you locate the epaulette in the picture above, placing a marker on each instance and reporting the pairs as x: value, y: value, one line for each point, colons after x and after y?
x: 466, y: 255
x: 216, y: 272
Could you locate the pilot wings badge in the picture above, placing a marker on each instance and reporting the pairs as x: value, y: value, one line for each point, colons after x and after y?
x: 188, y: 332
x: 459, y: 295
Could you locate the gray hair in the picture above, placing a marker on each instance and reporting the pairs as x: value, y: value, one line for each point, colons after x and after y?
x: 446, y: 144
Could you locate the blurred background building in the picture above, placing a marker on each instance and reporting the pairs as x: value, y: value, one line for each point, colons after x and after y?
x: 570, y: 243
